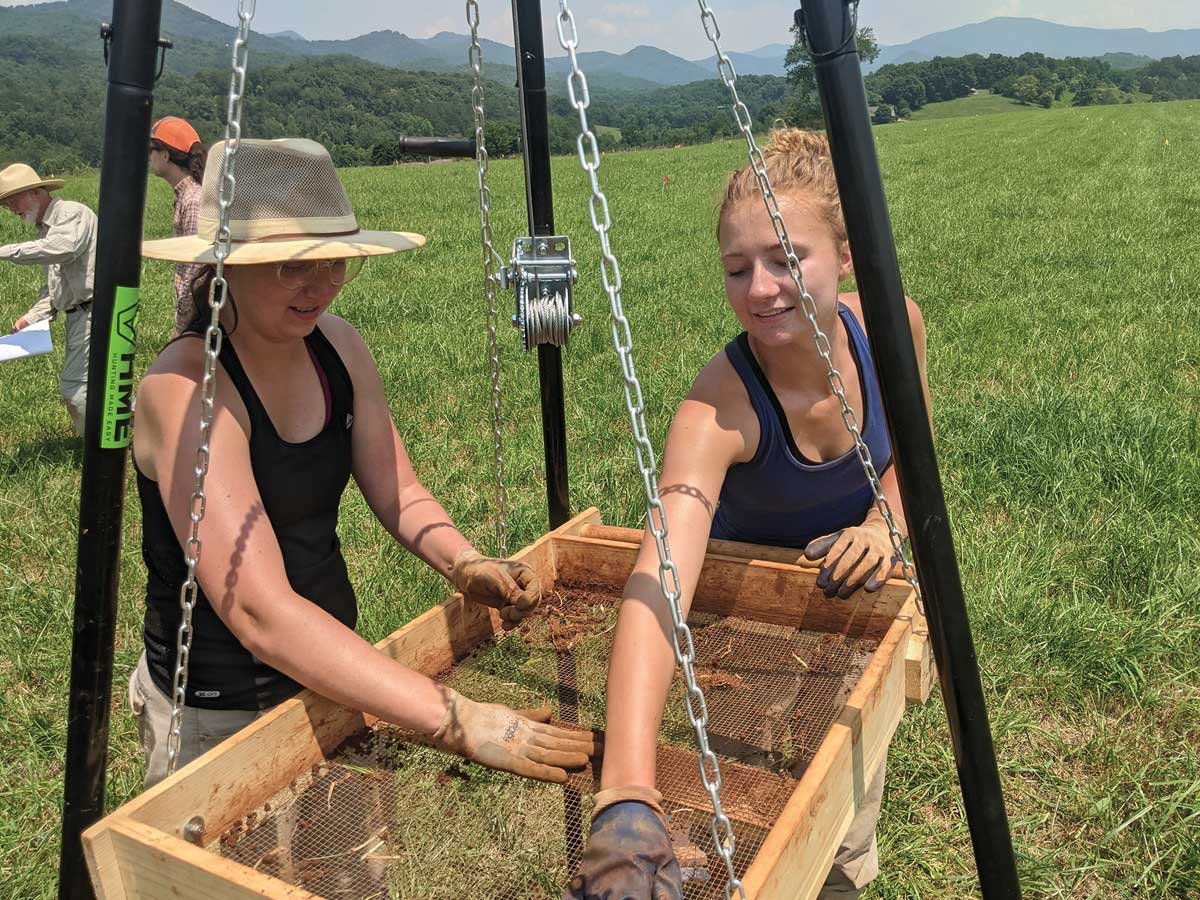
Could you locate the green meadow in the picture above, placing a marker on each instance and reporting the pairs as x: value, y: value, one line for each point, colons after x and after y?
x: 1056, y: 259
x: 981, y: 103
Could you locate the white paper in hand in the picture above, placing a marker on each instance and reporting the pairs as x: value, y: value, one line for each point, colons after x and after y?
x: 33, y: 340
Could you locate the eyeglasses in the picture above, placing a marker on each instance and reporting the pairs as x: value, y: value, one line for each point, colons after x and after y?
x: 295, y: 275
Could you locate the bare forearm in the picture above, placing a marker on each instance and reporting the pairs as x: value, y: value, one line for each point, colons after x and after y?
x: 421, y: 525
x: 307, y: 644
x: 641, y: 667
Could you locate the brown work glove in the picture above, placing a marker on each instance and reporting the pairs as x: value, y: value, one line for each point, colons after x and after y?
x: 517, y: 741
x: 504, y: 584
x: 853, y: 558
x: 628, y: 854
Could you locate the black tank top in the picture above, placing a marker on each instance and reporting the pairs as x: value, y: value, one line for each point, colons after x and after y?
x: 301, y: 487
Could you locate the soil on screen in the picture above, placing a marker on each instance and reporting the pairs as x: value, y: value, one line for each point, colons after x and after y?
x: 389, y: 818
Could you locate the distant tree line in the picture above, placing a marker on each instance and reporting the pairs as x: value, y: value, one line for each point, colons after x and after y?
x: 898, y: 90
x: 52, y: 101
x: 52, y: 107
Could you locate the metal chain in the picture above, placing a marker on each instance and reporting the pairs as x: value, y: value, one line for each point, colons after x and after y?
x: 212, y: 349
x: 656, y: 516
x: 492, y: 264
x: 820, y: 339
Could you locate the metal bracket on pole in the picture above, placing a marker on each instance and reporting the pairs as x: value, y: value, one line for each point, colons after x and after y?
x: 164, y: 44
x: 542, y: 274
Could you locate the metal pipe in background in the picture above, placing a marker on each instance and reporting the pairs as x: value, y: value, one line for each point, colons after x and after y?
x: 131, y: 72
x: 829, y: 27
x: 434, y: 146
x: 535, y: 141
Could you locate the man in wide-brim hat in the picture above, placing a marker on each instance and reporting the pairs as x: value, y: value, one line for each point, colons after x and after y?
x: 65, y: 248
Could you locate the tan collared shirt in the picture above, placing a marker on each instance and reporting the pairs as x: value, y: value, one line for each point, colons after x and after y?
x: 66, y: 250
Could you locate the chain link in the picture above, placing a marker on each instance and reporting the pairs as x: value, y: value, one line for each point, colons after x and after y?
x: 212, y: 349
x: 820, y: 339
x: 492, y: 264
x: 656, y: 517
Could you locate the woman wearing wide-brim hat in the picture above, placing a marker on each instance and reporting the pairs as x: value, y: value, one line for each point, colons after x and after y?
x: 300, y: 409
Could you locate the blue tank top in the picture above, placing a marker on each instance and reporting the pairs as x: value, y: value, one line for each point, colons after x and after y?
x: 781, y: 499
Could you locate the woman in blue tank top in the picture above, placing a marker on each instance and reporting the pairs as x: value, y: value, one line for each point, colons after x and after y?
x: 758, y: 453
x: 299, y: 410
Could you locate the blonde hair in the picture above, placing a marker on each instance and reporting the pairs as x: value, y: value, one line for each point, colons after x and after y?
x: 799, y: 164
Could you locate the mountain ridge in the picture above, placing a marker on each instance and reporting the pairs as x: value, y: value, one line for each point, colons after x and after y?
x: 202, y: 41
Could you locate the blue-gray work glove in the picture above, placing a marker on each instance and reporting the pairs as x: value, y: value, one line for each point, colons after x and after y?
x: 628, y: 854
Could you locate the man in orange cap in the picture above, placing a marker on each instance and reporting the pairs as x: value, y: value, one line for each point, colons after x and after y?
x: 65, y: 248
x: 177, y: 156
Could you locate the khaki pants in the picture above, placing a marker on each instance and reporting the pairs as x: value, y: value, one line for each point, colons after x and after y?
x: 201, y: 730
x: 72, y: 381
x: 857, y: 859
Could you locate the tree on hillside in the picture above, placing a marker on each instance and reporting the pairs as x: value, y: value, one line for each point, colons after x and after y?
x: 1026, y: 89
x: 804, y: 105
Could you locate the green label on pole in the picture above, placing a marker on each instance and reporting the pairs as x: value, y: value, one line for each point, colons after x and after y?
x: 117, y: 422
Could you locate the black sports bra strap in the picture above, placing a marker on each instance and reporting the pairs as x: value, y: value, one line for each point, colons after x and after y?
x: 241, y: 381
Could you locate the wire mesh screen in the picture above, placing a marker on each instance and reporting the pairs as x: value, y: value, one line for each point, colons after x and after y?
x: 387, y: 818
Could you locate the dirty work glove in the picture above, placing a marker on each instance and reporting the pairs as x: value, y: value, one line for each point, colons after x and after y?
x: 517, y: 741
x: 504, y: 584
x: 628, y: 854
x: 853, y: 558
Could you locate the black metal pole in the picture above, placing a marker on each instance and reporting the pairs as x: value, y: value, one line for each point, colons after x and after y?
x: 829, y: 28
x: 435, y: 146
x: 131, y: 70
x: 535, y: 142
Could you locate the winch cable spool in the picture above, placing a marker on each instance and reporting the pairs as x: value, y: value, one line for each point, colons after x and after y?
x: 547, y: 319
x: 544, y: 296
x: 542, y: 275
x: 212, y: 348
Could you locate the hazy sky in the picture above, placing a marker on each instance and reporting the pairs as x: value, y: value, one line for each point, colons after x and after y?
x: 674, y: 25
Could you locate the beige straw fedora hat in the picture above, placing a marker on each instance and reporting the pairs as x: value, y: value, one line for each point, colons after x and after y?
x: 19, y: 177
x: 288, y: 204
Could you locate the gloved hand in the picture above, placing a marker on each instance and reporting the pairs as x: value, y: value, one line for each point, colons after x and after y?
x: 517, y: 741
x: 504, y: 584
x: 854, y: 558
x: 628, y: 854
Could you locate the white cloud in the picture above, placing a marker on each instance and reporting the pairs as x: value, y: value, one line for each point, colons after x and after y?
x: 627, y: 10
x: 602, y: 27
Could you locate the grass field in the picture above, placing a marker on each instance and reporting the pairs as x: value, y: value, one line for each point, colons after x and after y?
x: 1055, y: 258
x: 981, y: 103
x: 985, y: 103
